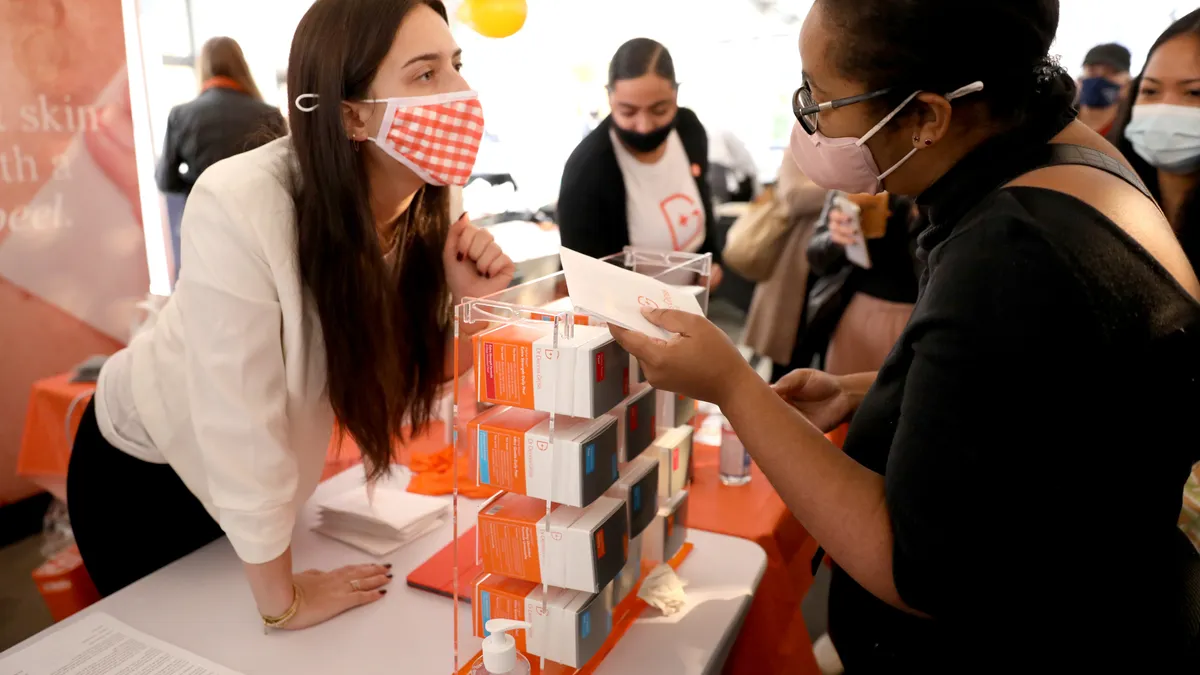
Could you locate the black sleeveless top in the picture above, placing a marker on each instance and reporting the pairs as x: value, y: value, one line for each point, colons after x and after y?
x: 1034, y: 425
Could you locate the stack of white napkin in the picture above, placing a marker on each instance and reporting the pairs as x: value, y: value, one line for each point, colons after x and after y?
x: 381, y: 520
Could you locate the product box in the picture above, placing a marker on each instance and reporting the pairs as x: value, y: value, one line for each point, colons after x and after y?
x: 638, y: 488
x: 674, y: 452
x: 638, y: 419
x: 630, y: 574
x: 582, y: 549
x: 564, y: 305
x: 515, y: 454
x: 517, y: 365
x: 667, y: 534
x: 674, y: 410
x: 570, y: 629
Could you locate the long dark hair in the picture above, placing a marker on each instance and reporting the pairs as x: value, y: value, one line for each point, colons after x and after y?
x: 385, y: 324
x: 223, y: 57
x: 1188, y: 218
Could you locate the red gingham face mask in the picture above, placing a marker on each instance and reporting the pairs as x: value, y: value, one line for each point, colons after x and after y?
x: 436, y: 136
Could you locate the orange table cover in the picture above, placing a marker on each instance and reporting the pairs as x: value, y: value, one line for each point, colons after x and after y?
x: 774, y: 638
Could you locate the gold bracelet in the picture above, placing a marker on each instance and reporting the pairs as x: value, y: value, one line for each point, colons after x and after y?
x: 283, y: 619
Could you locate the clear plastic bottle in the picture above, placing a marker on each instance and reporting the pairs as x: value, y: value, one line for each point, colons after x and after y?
x: 734, y: 464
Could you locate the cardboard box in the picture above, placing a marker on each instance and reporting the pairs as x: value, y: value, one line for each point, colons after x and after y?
x: 638, y: 419
x: 638, y: 488
x: 570, y: 629
x: 582, y: 549
x: 515, y: 453
x: 518, y: 365
x: 667, y: 534
x: 630, y: 574
x: 674, y: 453
x: 674, y: 410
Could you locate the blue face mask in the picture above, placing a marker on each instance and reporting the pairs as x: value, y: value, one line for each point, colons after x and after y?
x: 1099, y: 92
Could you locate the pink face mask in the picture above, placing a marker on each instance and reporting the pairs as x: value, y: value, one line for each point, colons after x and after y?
x: 846, y: 164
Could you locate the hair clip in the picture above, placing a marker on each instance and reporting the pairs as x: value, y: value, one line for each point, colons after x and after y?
x: 306, y: 108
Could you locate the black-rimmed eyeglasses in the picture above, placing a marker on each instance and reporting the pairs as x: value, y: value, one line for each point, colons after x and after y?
x: 806, y: 109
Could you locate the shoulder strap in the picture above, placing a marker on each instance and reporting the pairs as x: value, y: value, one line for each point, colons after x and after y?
x: 1065, y: 154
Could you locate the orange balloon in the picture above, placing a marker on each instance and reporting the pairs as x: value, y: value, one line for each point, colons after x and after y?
x: 493, y: 18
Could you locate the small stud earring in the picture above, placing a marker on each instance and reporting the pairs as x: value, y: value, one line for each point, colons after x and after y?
x: 928, y: 141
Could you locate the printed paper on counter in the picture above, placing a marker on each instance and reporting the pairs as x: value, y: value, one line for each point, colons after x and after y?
x: 98, y: 644
x: 618, y: 295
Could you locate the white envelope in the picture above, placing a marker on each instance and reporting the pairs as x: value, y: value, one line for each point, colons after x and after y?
x: 618, y: 295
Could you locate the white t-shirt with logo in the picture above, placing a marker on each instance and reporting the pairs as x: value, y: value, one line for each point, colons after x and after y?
x: 662, y: 201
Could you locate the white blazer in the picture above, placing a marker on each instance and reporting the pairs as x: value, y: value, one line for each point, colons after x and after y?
x: 229, y: 385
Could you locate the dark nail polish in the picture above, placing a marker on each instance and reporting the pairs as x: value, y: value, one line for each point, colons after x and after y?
x: 383, y: 591
x: 389, y: 575
x: 460, y: 257
x: 387, y: 566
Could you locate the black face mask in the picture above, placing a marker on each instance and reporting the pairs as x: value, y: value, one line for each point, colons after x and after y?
x: 645, y: 142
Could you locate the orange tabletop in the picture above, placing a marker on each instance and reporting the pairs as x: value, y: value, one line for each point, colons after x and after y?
x: 774, y: 638
x: 45, y: 448
x: 45, y: 451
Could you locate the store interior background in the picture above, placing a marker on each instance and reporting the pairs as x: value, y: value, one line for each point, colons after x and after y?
x: 737, y: 63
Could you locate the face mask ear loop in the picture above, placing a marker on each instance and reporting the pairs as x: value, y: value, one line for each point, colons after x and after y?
x: 973, y: 88
x: 890, y: 116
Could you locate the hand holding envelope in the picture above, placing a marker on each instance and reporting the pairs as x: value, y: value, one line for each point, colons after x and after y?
x: 620, y: 296
x: 677, y: 348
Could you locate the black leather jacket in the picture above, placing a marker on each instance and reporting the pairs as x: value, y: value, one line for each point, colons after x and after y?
x: 217, y: 124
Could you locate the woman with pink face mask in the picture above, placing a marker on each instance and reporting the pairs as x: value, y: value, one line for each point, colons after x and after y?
x: 320, y: 271
x: 1022, y: 450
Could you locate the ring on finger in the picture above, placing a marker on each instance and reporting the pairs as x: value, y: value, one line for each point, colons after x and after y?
x: 354, y: 584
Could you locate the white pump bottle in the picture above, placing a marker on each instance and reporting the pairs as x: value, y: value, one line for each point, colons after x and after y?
x: 500, y: 656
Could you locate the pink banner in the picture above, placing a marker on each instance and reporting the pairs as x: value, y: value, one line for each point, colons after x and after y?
x: 72, y: 252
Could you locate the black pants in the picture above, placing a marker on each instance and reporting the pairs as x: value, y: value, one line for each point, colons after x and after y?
x: 130, y: 517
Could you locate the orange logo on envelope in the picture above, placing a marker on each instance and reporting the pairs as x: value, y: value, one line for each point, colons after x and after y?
x: 542, y: 445
x: 549, y: 354
x: 647, y: 302
x: 556, y: 536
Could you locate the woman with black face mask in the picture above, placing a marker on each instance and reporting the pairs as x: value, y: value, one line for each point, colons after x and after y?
x: 640, y: 178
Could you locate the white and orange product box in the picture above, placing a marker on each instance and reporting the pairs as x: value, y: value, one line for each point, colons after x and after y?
x: 638, y: 419
x: 638, y: 488
x: 570, y: 629
x: 518, y: 365
x: 673, y: 450
x: 674, y: 410
x: 630, y: 574
x: 582, y: 549
x: 564, y: 305
x: 667, y: 534
x: 515, y: 453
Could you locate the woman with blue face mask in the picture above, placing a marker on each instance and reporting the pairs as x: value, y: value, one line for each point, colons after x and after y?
x: 1159, y: 131
x: 1011, y: 478
x: 1104, y: 85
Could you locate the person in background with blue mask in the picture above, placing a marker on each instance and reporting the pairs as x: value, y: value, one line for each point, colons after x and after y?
x: 1104, y: 86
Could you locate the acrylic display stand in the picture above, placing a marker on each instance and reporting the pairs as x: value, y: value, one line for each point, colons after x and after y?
x: 540, y: 302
